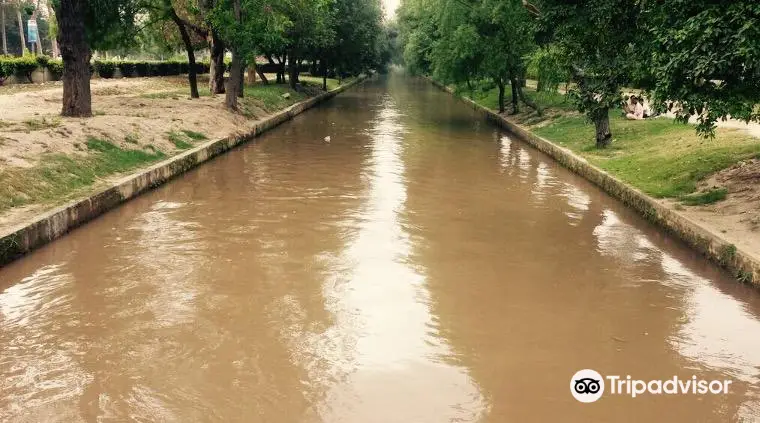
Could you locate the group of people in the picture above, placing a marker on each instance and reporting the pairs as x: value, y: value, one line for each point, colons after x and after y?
x: 634, y: 109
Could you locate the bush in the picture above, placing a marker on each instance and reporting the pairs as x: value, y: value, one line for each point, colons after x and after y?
x: 143, y: 68
x: 105, y: 68
x: 126, y: 68
x: 24, y: 66
x: 42, y: 61
x: 7, y: 66
x: 55, y: 66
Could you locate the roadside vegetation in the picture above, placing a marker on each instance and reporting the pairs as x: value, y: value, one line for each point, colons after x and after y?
x: 563, y: 69
x: 170, y: 74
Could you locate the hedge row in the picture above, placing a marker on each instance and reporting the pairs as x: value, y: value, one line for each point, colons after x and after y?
x: 24, y: 66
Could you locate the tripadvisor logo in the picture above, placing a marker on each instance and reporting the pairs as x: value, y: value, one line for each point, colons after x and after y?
x: 588, y: 386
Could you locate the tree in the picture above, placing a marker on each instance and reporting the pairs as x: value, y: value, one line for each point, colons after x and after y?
x: 86, y: 24
x: 307, y: 29
x: 418, y: 33
x: 243, y: 25
x: 598, y: 39
x: 169, y: 11
x: 52, y: 30
x: 19, y: 18
x: 2, y: 26
x: 706, y: 58
x: 357, y: 29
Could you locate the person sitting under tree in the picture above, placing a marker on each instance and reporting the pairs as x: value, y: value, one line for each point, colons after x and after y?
x: 635, y: 109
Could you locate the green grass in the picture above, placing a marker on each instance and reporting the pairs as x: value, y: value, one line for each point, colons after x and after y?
x: 196, y: 136
x: 179, y: 140
x: 41, y: 123
x: 317, y: 80
x: 57, y: 177
x: 487, y: 94
x: 183, y: 139
x: 658, y: 156
x: 707, y: 197
x: 203, y: 91
x: 270, y: 96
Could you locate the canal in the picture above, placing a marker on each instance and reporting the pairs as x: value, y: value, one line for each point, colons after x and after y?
x: 422, y: 266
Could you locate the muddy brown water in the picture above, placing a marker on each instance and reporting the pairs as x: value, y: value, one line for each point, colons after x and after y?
x: 423, y: 266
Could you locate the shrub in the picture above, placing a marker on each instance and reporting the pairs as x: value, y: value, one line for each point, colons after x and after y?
x: 105, y: 68
x: 7, y: 66
x: 143, y: 68
x: 25, y: 66
x: 55, y: 66
x: 42, y: 61
x: 126, y: 68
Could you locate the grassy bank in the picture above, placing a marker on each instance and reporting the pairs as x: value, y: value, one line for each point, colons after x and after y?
x: 660, y: 157
x: 57, y: 176
x: 87, y: 154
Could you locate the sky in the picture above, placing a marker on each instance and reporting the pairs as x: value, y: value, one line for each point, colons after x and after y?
x: 390, y: 7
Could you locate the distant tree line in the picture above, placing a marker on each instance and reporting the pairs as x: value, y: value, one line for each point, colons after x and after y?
x: 334, y: 37
x: 693, y: 57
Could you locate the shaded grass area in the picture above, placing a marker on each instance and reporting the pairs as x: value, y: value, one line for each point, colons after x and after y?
x: 658, y: 156
x: 269, y: 97
x: 486, y: 93
x: 58, y: 176
x: 708, y: 197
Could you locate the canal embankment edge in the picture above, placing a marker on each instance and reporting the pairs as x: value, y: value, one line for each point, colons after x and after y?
x: 742, y: 264
x: 51, y: 225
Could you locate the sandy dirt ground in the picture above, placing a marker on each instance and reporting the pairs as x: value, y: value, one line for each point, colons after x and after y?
x: 737, y: 218
x: 30, y: 125
x: 133, y: 113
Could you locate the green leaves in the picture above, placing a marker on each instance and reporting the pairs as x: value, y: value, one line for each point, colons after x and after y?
x: 706, y: 56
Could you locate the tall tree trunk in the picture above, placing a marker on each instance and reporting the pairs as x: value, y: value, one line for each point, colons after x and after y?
x: 2, y: 23
x: 216, y: 72
x: 284, y: 63
x: 54, y: 43
x: 21, y: 29
x: 77, y: 100
x: 252, y: 72
x: 601, y: 118
x: 39, y: 39
x: 191, y: 73
x: 293, y: 71
x: 515, y: 96
x: 324, y: 74
x: 262, y: 76
x: 527, y: 100
x: 241, y: 91
x: 500, y: 83
x: 235, y: 81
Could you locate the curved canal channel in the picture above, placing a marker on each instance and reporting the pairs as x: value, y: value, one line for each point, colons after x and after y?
x: 422, y: 266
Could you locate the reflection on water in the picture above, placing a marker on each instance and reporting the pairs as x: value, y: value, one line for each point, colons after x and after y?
x: 382, y: 305
x: 422, y: 267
